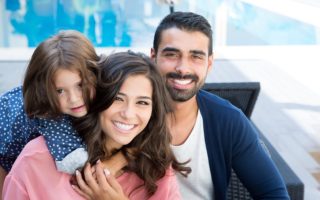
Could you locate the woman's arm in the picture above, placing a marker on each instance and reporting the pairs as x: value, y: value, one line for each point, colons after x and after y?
x: 3, y: 175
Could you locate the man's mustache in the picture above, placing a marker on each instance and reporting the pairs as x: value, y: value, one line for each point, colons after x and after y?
x: 180, y: 76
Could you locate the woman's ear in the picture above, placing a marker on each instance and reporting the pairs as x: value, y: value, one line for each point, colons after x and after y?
x: 153, y: 54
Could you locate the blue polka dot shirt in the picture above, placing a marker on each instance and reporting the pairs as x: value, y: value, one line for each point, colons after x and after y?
x: 16, y: 130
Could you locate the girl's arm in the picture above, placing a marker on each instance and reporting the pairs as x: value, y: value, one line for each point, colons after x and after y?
x: 67, y: 148
x: 15, y: 127
x: 3, y: 175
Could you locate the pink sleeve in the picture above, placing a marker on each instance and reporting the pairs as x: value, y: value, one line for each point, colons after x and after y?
x: 174, y: 192
x: 12, y: 189
x: 167, y: 187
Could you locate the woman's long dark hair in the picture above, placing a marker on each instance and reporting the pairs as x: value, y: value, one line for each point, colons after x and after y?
x: 149, y: 154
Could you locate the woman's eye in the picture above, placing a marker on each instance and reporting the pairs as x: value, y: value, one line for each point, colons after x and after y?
x: 118, y: 99
x: 143, y: 103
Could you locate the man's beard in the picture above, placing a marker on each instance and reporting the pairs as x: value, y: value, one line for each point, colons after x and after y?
x: 182, y: 95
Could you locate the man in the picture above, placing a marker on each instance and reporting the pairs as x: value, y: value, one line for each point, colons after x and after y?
x: 211, y: 132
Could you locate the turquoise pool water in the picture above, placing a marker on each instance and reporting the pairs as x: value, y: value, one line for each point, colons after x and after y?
x: 131, y: 23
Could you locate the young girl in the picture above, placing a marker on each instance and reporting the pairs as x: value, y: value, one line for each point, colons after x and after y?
x: 129, y: 112
x: 45, y: 96
x: 59, y: 83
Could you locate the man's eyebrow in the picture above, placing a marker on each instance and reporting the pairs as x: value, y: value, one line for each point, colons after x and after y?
x: 199, y: 52
x: 170, y: 49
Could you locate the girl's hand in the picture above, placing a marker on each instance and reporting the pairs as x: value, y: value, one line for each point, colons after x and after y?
x: 103, y: 187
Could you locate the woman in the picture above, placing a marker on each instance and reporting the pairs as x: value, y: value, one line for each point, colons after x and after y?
x: 127, y: 115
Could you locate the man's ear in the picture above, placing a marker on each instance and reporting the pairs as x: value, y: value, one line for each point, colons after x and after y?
x: 210, y: 62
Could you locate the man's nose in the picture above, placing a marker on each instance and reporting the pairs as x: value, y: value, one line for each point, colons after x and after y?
x: 183, y: 67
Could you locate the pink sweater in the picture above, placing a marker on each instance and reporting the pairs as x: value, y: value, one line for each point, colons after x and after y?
x: 34, y: 176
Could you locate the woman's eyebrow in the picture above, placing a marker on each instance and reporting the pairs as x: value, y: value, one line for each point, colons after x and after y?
x: 140, y: 97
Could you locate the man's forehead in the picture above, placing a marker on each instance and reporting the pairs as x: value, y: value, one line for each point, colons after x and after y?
x: 175, y: 39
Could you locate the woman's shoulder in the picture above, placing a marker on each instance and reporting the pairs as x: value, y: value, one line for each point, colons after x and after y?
x: 35, y: 145
x: 35, y: 152
x: 34, y: 157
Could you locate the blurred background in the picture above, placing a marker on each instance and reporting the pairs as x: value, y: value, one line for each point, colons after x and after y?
x: 110, y: 23
x: 270, y: 41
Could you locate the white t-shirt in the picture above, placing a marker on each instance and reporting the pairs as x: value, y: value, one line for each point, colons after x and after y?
x: 198, y: 185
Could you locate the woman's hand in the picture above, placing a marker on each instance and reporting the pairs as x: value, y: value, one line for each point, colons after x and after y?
x: 115, y: 164
x: 103, y: 187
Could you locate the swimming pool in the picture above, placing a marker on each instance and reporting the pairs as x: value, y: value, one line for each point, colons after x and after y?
x: 127, y: 23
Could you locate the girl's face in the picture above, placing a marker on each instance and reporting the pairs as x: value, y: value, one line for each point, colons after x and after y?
x: 68, y: 87
x: 129, y: 114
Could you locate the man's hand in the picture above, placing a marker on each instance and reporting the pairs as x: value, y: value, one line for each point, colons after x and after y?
x: 103, y: 187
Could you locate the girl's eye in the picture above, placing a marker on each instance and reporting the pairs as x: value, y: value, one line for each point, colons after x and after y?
x: 60, y: 91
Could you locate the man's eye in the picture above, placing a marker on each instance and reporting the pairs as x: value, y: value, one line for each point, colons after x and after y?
x: 198, y: 57
x: 171, y: 55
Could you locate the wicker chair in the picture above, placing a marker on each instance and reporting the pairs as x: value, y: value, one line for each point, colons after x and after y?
x: 244, y: 95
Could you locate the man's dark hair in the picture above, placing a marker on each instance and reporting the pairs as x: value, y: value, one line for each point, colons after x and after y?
x: 187, y: 21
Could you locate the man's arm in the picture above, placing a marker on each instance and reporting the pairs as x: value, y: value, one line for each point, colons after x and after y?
x: 3, y: 175
x: 254, y: 167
